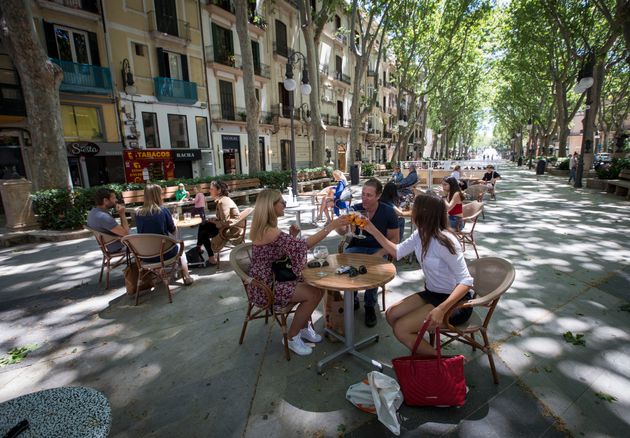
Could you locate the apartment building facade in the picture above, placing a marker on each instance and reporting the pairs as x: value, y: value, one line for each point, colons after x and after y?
x: 154, y: 89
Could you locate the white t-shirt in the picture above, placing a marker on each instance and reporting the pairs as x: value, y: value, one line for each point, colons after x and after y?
x: 456, y: 174
x: 443, y: 271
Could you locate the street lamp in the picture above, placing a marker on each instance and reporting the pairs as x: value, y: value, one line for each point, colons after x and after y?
x: 585, y: 82
x: 290, y: 85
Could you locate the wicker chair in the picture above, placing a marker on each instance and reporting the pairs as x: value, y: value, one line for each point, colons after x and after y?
x: 471, y: 212
x: 111, y: 260
x: 493, y: 276
x: 241, y: 259
x: 146, y: 246
x: 232, y: 236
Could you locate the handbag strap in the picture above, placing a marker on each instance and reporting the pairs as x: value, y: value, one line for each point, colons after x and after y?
x: 421, y: 332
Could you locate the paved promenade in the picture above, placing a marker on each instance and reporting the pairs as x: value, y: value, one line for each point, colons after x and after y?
x: 177, y: 369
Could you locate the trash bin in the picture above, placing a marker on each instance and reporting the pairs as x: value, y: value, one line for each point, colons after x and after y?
x: 540, y: 167
x: 520, y: 161
x: 354, y: 174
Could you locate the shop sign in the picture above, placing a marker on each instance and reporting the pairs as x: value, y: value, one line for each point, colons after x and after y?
x: 83, y: 148
x: 157, y: 163
x: 189, y: 155
x: 231, y: 142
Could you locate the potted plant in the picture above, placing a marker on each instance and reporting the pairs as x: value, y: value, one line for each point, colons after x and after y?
x: 242, y: 115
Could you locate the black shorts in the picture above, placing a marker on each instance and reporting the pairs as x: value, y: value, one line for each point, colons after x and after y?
x: 460, y: 316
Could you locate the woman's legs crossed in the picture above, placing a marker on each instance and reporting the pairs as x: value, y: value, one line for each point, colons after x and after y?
x: 308, y: 298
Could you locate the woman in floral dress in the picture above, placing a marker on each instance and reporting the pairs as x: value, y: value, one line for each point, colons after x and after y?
x: 271, y: 244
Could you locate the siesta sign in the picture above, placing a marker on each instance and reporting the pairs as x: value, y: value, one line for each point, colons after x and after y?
x: 83, y: 148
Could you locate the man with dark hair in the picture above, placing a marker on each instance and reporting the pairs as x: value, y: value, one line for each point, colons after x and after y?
x: 100, y: 220
x: 386, y: 221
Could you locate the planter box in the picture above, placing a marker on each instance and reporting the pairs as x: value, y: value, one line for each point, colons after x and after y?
x: 557, y: 172
x: 594, y: 183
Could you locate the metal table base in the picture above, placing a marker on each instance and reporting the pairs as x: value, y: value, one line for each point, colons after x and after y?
x: 350, y: 345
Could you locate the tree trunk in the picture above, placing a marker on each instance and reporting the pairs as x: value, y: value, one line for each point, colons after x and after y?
x: 355, y: 108
x: 253, y: 106
x: 562, y: 119
x: 312, y: 66
x: 40, y: 79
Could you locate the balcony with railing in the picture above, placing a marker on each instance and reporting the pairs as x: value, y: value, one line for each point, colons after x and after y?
x: 262, y: 70
x: 341, y: 77
x: 282, y: 110
x: 266, y: 117
x: 169, y: 27
x: 84, y: 78
x: 91, y: 6
x: 175, y: 91
x: 341, y: 38
x: 282, y: 50
x: 372, y: 72
x: 257, y: 20
x: 226, y: 5
x: 11, y: 100
x: 223, y: 56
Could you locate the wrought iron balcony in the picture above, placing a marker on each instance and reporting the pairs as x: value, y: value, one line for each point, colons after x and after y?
x: 168, y: 25
x: 323, y: 69
x: 83, y: 5
x: 266, y: 117
x: 282, y: 110
x: 262, y: 70
x: 84, y: 78
x: 343, y: 39
x: 11, y: 100
x: 372, y: 72
x: 282, y: 50
x: 223, y: 56
x: 175, y: 91
x: 342, y: 77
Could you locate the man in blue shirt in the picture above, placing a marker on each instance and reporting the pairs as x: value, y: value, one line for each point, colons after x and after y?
x: 405, y: 186
x: 385, y: 220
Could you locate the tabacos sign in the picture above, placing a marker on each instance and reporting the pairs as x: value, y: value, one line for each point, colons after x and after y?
x: 83, y: 148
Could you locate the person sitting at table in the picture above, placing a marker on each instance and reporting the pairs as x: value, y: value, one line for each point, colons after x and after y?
x: 405, y: 186
x: 456, y: 173
x: 200, y: 204
x: 332, y: 201
x: 490, y: 179
x: 385, y: 219
x: 226, y: 215
x: 397, y: 175
x: 454, y: 202
x: 390, y: 197
x: 100, y: 220
x: 181, y: 194
x: 270, y: 244
x: 447, y: 280
x: 153, y: 218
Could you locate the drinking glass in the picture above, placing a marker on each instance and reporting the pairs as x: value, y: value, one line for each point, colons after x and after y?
x: 320, y: 253
x: 360, y: 221
x: 175, y: 218
x: 187, y: 217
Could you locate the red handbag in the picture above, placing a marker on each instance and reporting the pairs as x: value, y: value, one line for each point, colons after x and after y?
x: 431, y: 380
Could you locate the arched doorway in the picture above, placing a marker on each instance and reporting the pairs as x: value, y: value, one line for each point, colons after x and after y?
x: 341, y: 157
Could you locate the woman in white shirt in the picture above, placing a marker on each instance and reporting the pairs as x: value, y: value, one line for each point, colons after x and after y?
x: 447, y: 280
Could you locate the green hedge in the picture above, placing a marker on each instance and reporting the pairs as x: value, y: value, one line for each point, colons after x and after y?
x: 563, y: 164
x: 60, y: 209
x: 612, y: 170
x: 367, y: 169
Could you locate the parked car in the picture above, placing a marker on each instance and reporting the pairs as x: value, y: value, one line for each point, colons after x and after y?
x: 603, y: 158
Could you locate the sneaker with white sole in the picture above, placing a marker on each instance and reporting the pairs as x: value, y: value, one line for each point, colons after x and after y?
x: 309, y: 334
x: 298, y: 347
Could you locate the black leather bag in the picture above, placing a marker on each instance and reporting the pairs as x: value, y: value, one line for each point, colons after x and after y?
x: 283, y: 270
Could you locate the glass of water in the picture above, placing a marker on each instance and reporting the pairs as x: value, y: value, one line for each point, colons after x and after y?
x: 320, y: 253
x: 187, y: 217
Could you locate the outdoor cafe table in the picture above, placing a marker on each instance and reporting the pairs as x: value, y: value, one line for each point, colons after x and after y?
x: 379, y: 273
x: 183, y: 223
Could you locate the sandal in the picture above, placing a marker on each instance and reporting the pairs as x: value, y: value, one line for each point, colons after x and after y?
x: 188, y: 281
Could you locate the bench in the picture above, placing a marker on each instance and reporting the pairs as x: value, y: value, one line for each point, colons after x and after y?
x: 313, y: 184
x: 620, y: 186
x: 242, y: 188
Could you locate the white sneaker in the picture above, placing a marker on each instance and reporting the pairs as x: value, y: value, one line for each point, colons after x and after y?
x: 298, y: 347
x: 309, y: 334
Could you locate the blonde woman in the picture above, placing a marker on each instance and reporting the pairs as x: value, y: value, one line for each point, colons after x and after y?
x: 271, y: 244
x: 153, y: 218
x: 334, y: 193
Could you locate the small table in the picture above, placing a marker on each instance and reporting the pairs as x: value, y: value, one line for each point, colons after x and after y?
x: 379, y: 273
x: 182, y: 223
x: 66, y: 411
x: 299, y: 209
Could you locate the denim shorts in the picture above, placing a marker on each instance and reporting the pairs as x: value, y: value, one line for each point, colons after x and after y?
x: 460, y: 316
